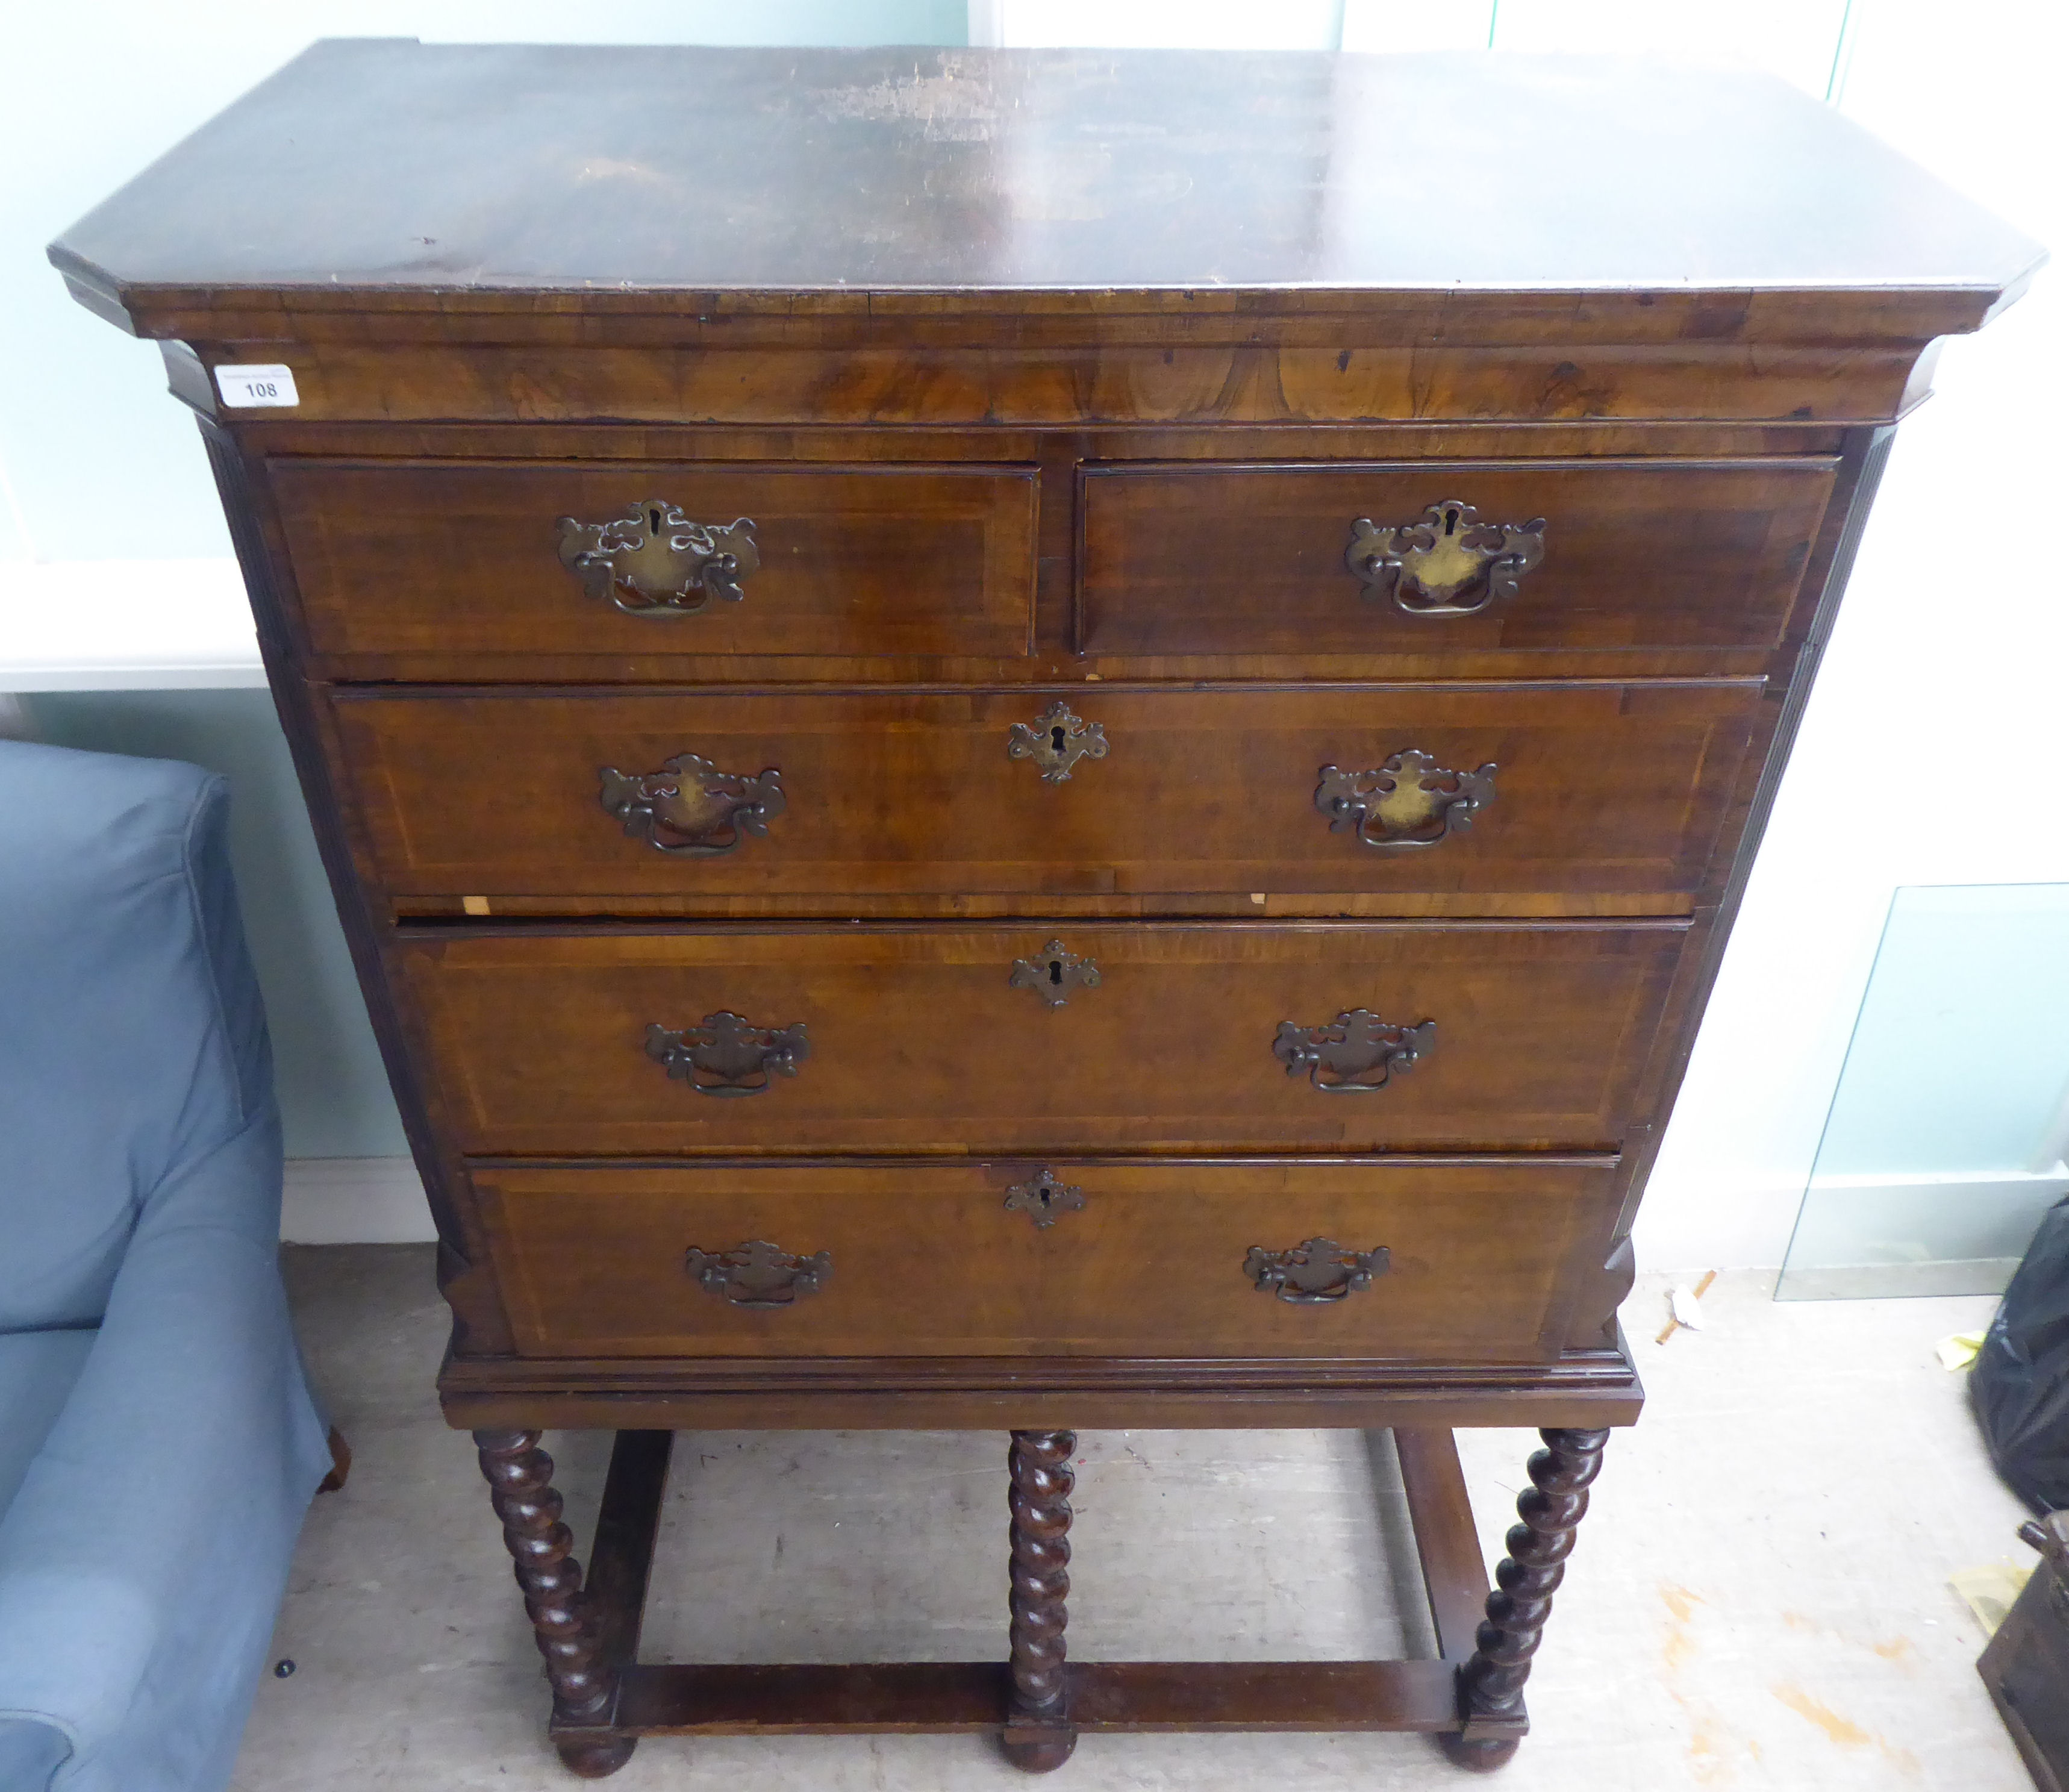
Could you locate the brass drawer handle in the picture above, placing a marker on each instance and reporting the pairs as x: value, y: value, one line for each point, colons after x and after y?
x: 1318, y: 1273
x: 1044, y: 1199
x: 1054, y: 974
x: 1356, y: 1052
x: 1056, y: 742
x: 1408, y: 800
x: 690, y: 808
x: 654, y: 562
x: 1448, y: 563
x: 757, y: 1275
x: 724, y: 1054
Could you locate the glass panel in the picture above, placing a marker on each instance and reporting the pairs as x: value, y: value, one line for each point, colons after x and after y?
x: 1945, y: 1140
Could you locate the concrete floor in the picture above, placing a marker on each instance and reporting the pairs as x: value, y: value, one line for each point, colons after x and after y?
x: 1759, y: 1599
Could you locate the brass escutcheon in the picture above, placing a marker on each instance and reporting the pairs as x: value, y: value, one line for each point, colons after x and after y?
x: 1056, y: 742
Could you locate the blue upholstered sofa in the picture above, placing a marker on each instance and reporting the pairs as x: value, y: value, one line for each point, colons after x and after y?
x: 159, y: 1447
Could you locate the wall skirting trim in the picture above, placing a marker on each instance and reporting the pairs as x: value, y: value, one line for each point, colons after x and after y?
x: 126, y: 625
x: 1724, y: 1221
x: 354, y: 1201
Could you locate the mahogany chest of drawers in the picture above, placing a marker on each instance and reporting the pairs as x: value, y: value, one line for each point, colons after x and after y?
x: 1037, y: 741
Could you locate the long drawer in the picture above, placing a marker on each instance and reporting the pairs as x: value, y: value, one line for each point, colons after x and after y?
x: 1578, y: 790
x: 1445, y: 558
x: 886, y: 1037
x: 500, y: 559
x: 1455, y: 1263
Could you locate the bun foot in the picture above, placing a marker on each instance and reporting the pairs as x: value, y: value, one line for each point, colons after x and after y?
x: 596, y: 1759
x: 1041, y: 1753
x: 1482, y: 1756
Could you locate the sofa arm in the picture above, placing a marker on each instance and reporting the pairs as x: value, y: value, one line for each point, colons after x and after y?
x: 143, y: 1561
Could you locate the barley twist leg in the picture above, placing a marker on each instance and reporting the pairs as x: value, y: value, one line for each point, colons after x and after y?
x: 520, y: 1476
x: 1492, y: 1682
x: 1038, y: 1735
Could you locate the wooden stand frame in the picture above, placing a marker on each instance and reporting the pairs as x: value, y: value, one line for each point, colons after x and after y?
x: 1469, y: 1695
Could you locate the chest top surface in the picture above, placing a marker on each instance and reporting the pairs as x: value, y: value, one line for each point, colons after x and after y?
x: 385, y: 174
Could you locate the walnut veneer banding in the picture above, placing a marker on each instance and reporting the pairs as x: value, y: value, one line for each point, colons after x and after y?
x: 464, y: 557
x: 926, y: 1037
x: 1153, y: 1260
x: 1251, y: 559
x: 1604, y: 790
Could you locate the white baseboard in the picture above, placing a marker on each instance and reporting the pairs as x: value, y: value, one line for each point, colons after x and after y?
x: 1951, y: 1185
x: 1898, y: 1281
x: 1702, y: 1221
x: 354, y: 1201
x: 126, y: 625
x: 1706, y: 1221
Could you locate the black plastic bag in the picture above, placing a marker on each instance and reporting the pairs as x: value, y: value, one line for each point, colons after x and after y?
x: 2020, y: 1382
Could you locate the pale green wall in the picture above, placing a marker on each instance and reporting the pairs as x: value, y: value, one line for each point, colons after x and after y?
x: 95, y: 462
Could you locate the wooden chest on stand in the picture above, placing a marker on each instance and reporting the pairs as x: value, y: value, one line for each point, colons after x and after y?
x: 1037, y: 741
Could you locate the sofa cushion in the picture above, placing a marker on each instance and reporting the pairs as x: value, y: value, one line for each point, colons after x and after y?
x: 134, y: 1037
x: 31, y: 1753
x: 36, y: 1371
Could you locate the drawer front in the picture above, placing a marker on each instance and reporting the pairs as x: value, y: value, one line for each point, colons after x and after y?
x: 1581, y: 790
x: 1040, y: 1037
x: 1461, y: 1263
x: 438, y: 556
x: 1630, y: 555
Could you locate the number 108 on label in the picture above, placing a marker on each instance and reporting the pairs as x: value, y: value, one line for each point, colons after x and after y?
x: 243, y: 387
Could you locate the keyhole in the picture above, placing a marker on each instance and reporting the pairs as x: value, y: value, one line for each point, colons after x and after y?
x: 653, y: 521
x: 1056, y: 739
x: 1451, y: 522
x: 1056, y: 971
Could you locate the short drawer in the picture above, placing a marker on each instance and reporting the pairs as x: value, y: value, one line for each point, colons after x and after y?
x: 500, y: 559
x: 1461, y: 1263
x: 1147, y: 1036
x: 1445, y: 558
x: 1578, y: 791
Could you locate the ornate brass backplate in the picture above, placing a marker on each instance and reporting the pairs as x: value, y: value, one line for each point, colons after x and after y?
x: 757, y: 1274
x: 1315, y: 1273
x: 654, y: 562
x: 1042, y: 1199
x: 1054, y: 973
x: 690, y: 808
x: 1056, y: 742
x: 724, y: 1055
x: 1408, y: 800
x: 1354, y: 1054
x: 1448, y: 563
